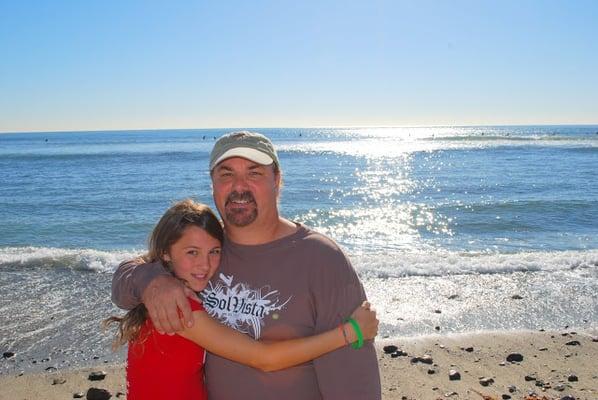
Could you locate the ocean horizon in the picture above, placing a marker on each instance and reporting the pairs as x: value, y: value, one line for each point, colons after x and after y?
x: 451, y: 229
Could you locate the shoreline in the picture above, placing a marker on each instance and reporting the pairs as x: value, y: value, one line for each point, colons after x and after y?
x: 551, y: 362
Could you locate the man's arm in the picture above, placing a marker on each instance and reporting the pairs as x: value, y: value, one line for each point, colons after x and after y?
x: 345, y: 373
x: 164, y: 296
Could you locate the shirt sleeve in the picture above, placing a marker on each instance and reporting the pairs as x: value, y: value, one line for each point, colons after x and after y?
x: 130, y: 280
x: 345, y: 373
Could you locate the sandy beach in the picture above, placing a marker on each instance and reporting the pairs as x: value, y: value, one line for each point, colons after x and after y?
x: 552, y: 365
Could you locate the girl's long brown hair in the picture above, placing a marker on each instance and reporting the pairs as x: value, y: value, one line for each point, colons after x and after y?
x: 167, y: 231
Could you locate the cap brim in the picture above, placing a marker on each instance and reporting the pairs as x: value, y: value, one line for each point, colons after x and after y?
x: 244, y: 152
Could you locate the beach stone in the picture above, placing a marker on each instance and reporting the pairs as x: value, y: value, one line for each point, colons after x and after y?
x: 454, y: 375
x: 431, y: 371
x: 512, y: 388
x: 517, y: 297
x: 543, y: 349
x: 594, y: 338
x: 49, y: 369
x: 559, y: 387
x: 468, y: 349
x: 437, y: 312
x: 390, y: 349
x: 437, y: 328
x: 529, y: 378
x: 425, y: 359
x: 8, y: 354
x: 486, y: 381
x: 78, y: 395
x: 453, y: 296
x: 58, y: 381
x: 515, y: 357
x: 567, y: 398
x: 98, y: 394
x: 573, y: 343
x: 120, y: 394
x: 398, y: 353
x: 506, y: 397
x: 97, y: 376
x: 572, y: 378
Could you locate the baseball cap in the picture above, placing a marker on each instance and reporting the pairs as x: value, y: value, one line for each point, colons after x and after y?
x: 250, y: 145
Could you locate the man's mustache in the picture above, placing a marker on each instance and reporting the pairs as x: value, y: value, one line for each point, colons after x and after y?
x: 243, y: 196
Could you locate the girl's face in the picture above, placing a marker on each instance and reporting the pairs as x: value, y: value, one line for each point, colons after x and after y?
x: 194, y: 257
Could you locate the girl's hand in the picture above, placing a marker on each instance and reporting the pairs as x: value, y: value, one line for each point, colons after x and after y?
x: 365, y: 316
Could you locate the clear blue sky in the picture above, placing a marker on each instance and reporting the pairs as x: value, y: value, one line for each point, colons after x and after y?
x: 92, y: 65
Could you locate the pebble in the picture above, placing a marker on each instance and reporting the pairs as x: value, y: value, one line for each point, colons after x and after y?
x: 567, y: 398
x: 559, y: 387
x: 425, y: 359
x: 572, y: 378
x: 78, y: 395
x: 506, y: 397
x: 486, y: 381
x: 431, y: 371
x: 512, y: 389
x: 454, y: 375
x: 58, y: 381
x: 453, y: 296
x: 437, y: 312
x: 514, y: 357
x: 468, y: 349
x: 573, y: 343
x: 529, y: 378
x: 398, y: 353
x: 516, y: 297
x: 390, y: 349
x: 97, y: 376
x: 98, y: 394
x: 8, y: 354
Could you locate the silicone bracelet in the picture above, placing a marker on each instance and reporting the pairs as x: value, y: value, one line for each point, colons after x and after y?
x: 359, y: 343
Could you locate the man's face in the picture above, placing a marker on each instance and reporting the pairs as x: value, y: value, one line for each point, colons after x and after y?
x: 245, y: 191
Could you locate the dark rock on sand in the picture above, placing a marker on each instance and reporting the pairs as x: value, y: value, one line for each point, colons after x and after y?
x: 567, y: 398
x: 425, y: 359
x: 8, y: 354
x: 454, y: 375
x: 514, y: 357
x: 97, y: 376
x: 431, y: 371
x: 573, y: 343
x: 529, y: 378
x: 468, y: 349
x: 58, y: 381
x: 517, y: 297
x: 486, y: 381
x: 453, y: 296
x: 506, y: 397
x: 398, y: 353
x: 98, y: 394
x: 572, y: 378
x: 512, y: 389
x: 78, y: 395
x: 390, y: 349
x: 437, y: 312
x: 437, y: 328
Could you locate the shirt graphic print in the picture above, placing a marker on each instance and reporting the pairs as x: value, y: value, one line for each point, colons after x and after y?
x: 240, y: 306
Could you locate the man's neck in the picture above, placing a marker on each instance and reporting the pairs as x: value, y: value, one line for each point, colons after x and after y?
x: 255, y: 234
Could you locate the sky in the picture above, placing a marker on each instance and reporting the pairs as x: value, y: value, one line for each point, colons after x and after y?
x: 127, y: 64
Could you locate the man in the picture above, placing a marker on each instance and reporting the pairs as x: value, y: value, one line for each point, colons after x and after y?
x: 277, y: 280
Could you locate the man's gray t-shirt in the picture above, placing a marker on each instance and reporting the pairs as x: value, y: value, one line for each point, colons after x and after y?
x: 296, y: 286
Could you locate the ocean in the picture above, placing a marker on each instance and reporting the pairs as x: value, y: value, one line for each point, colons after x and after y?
x: 451, y: 229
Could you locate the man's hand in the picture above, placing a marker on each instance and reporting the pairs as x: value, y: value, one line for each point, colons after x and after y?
x: 166, y: 301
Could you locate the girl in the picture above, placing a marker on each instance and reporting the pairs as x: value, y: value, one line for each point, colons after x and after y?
x: 187, y: 240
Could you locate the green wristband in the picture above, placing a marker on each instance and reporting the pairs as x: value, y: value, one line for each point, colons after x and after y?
x: 359, y: 343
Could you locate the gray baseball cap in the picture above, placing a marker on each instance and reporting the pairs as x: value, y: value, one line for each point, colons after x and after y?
x: 250, y: 145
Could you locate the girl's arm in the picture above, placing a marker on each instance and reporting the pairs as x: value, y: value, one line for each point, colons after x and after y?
x: 271, y: 356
